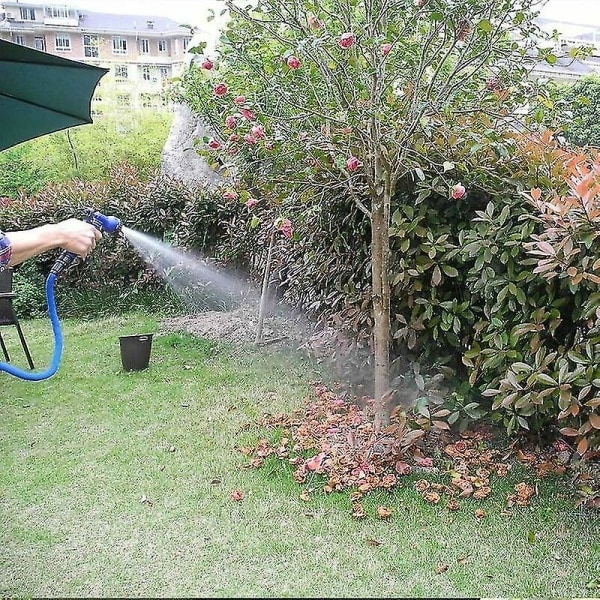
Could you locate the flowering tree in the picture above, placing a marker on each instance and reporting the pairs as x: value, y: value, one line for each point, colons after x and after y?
x: 307, y: 99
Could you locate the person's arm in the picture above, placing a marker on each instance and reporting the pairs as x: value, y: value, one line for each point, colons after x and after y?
x: 74, y: 235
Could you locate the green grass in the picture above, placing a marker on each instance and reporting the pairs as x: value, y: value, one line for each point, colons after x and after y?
x: 80, y: 451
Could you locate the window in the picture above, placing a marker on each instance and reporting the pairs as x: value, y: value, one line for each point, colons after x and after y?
x: 119, y: 45
x: 19, y: 39
x: 63, y: 43
x: 120, y: 72
x: 149, y: 100
x: 186, y: 43
x: 144, y: 46
x: 57, y: 12
x: 90, y: 46
x: 40, y: 44
x: 123, y: 99
x: 146, y: 73
x: 162, y: 45
x: 164, y: 72
x: 27, y: 14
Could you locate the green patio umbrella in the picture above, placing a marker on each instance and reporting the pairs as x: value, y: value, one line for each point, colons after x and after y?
x: 41, y: 93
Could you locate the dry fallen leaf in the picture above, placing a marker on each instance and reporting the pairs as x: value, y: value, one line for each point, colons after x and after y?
x: 237, y: 495
x: 383, y: 512
x: 358, y: 512
x: 431, y: 497
x: 402, y: 468
x: 441, y: 568
x: 482, y: 492
x: 373, y: 543
x: 422, y: 485
x: 305, y: 495
x: 453, y: 505
x: 523, y: 495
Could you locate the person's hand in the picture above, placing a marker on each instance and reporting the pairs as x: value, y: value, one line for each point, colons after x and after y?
x: 77, y: 236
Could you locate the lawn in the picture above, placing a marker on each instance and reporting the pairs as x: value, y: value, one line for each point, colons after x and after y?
x: 116, y: 484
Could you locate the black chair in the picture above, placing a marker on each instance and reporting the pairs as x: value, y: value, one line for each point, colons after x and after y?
x: 8, y: 315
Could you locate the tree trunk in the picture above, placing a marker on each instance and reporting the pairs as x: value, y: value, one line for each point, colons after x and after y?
x: 265, y: 291
x: 380, y: 253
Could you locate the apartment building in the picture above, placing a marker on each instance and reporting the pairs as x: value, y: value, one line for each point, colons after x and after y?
x: 142, y: 52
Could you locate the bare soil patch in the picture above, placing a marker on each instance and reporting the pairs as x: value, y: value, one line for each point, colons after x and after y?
x: 239, y: 326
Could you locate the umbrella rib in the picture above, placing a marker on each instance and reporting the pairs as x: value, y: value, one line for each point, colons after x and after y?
x: 55, y: 110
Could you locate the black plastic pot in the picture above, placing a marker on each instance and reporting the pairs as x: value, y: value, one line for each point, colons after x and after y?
x: 135, y: 351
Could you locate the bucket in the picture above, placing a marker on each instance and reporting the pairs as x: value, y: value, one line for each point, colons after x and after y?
x: 135, y: 351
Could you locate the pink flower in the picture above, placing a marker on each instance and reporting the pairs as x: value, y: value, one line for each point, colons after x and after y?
x: 220, y: 89
x: 214, y: 144
x: 207, y: 64
x: 293, y: 62
x: 258, y: 131
x: 250, y: 139
x: 314, y: 21
x: 458, y: 191
x: 251, y: 202
x: 419, y: 3
x: 239, y: 100
x: 234, y: 137
x: 352, y: 164
x: 385, y: 48
x: 230, y: 122
x: 346, y: 40
x: 230, y: 195
x: 247, y: 114
x: 285, y: 226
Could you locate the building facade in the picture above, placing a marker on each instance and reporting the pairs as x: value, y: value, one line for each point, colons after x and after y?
x: 142, y: 52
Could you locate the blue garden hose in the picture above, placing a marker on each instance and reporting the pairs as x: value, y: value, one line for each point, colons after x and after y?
x: 58, y: 341
x: 103, y: 224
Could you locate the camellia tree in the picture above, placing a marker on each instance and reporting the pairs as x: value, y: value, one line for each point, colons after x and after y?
x: 310, y: 99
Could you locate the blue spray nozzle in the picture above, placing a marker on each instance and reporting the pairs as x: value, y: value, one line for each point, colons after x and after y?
x: 105, y: 224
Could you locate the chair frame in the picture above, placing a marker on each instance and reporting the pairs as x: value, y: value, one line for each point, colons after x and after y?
x: 8, y: 315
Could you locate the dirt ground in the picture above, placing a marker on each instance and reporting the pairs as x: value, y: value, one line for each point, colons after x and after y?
x: 240, y: 326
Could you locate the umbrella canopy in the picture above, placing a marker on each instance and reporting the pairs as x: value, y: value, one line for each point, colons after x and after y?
x: 41, y: 93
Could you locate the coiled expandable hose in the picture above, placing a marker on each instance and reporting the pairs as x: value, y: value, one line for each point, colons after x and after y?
x: 102, y: 223
x: 58, y: 341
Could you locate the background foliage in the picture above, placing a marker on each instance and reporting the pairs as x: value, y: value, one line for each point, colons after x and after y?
x: 88, y: 152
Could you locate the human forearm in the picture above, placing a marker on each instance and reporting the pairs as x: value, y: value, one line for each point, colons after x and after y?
x: 26, y: 244
x: 72, y: 234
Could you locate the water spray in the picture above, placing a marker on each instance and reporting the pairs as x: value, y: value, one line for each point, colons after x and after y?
x: 105, y: 225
